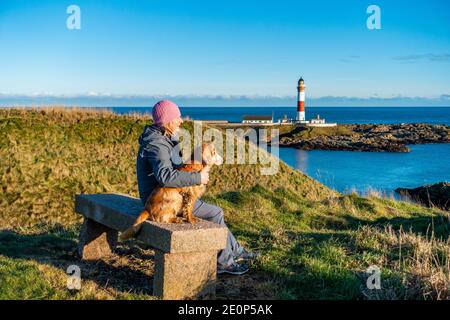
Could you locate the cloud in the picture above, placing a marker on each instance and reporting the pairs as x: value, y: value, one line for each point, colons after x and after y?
x: 399, y: 100
x: 444, y: 57
x: 112, y: 100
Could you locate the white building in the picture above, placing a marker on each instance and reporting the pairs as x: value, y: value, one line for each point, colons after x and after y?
x: 256, y: 119
x: 318, y: 122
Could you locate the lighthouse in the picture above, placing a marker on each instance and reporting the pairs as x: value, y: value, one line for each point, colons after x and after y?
x: 301, y: 100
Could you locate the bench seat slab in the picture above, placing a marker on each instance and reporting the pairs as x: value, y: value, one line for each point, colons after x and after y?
x: 119, y: 212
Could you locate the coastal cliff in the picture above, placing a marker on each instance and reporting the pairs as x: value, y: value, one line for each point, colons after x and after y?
x: 365, y: 137
x: 315, y: 243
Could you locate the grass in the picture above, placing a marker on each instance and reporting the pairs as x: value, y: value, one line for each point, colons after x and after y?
x: 313, y: 132
x: 315, y: 243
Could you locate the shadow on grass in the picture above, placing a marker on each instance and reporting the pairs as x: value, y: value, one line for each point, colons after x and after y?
x: 437, y: 225
x: 128, y: 270
x: 423, y: 225
x: 314, y: 266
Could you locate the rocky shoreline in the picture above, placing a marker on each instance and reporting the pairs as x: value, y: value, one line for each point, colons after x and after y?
x: 365, y: 137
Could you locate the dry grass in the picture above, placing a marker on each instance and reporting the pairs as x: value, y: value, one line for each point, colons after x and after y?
x: 421, y: 261
x: 64, y: 114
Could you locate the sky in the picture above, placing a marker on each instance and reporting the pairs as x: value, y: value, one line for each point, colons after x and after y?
x: 225, y: 52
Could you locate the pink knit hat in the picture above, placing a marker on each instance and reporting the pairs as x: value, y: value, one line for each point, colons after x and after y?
x: 165, y: 111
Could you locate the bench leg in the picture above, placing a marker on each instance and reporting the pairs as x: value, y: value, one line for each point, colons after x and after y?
x: 185, y: 275
x: 96, y: 240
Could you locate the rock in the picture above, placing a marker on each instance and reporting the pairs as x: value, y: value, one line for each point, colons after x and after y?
x: 432, y: 195
x: 369, y: 137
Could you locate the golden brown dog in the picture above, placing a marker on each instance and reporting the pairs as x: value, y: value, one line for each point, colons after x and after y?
x: 168, y: 205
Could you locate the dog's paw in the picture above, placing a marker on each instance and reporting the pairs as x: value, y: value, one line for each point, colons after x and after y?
x: 179, y: 220
x: 192, y: 220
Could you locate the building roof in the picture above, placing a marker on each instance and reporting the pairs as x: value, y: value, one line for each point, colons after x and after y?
x: 257, y: 117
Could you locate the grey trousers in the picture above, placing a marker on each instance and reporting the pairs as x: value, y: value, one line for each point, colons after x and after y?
x: 214, y: 214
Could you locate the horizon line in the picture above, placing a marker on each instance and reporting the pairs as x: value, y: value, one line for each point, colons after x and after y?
x: 216, y: 106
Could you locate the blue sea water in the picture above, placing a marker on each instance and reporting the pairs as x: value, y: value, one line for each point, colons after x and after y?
x: 435, y: 115
x: 347, y: 171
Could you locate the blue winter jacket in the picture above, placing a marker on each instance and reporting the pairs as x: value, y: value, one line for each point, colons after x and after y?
x: 157, y: 161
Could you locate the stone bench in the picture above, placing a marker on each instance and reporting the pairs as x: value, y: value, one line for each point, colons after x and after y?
x: 185, y: 254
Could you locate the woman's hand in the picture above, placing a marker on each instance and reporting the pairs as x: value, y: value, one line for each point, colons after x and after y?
x: 205, y: 175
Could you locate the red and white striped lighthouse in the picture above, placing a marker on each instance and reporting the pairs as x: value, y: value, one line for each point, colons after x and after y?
x: 301, y: 100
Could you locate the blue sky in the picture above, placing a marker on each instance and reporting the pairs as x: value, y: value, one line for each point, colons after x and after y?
x: 227, y: 49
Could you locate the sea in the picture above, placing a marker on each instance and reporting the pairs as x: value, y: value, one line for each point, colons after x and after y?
x: 349, y: 171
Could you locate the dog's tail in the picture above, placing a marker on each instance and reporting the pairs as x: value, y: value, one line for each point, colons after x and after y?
x: 131, y: 231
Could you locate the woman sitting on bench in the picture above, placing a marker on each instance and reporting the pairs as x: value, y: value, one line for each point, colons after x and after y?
x: 155, y: 167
